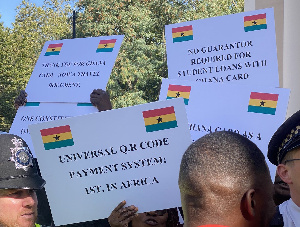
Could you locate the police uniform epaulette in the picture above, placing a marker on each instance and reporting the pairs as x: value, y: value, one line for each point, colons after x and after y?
x: 285, y: 139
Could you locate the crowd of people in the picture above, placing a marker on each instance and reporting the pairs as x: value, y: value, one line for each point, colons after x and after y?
x: 224, y: 181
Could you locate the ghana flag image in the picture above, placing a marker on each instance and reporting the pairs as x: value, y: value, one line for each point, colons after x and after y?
x: 176, y: 91
x: 181, y: 34
x: 255, y: 22
x: 160, y: 119
x: 264, y: 103
x: 53, y: 49
x: 57, y: 137
x: 106, y: 45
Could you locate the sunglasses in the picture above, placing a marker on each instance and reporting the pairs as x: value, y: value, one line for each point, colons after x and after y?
x: 290, y: 160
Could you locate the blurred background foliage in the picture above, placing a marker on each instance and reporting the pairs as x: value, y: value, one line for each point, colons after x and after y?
x: 141, y: 62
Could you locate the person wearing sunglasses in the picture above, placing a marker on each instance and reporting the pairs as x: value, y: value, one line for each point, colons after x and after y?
x: 284, y: 152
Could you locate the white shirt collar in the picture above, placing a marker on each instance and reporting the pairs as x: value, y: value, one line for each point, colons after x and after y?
x: 290, y: 213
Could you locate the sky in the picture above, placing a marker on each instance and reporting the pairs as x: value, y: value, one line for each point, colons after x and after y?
x: 8, y: 10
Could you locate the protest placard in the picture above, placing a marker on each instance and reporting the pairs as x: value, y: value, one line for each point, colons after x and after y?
x: 68, y: 70
x: 93, y: 162
x: 238, y: 48
x: 34, y: 113
x: 252, y: 111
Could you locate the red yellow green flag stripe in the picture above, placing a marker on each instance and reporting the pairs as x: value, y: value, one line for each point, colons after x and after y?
x: 264, y: 103
x: 53, y: 49
x: 106, y: 45
x: 160, y: 119
x: 255, y: 22
x: 181, y: 34
x: 57, y: 137
x: 176, y: 91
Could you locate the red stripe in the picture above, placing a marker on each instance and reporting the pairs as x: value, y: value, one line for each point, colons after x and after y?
x: 182, y: 29
x: 107, y: 41
x: 255, y: 17
x: 179, y: 88
x: 264, y: 96
x: 55, y: 130
x: 158, y: 112
x: 55, y: 45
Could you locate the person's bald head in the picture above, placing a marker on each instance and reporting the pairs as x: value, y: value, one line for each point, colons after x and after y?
x: 217, y: 170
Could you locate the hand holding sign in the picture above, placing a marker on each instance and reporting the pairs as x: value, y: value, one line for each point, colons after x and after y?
x: 121, y: 216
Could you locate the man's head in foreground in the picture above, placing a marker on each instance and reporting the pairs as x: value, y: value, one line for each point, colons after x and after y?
x: 224, y: 180
x: 18, y: 181
x: 284, y: 152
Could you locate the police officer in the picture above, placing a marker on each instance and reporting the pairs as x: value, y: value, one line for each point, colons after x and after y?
x: 284, y: 152
x: 18, y: 181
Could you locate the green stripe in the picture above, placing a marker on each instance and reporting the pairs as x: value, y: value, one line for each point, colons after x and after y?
x: 84, y: 104
x: 104, y: 50
x: 52, y: 53
x: 161, y: 126
x: 255, y: 27
x: 32, y: 104
x: 58, y: 144
x: 186, y: 101
x: 263, y: 110
x: 182, y: 38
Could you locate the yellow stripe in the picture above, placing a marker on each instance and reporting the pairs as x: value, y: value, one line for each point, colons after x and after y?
x: 165, y: 118
x: 185, y: 95
x: 258, y: 22
x: 186, y: 33
x: 268, y: 103
x: 62, y: 136
x: 108, y: 45
x: 53, y: 49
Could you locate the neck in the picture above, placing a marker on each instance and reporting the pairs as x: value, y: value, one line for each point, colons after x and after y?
x: 205, y: 218
x: 295, y: 197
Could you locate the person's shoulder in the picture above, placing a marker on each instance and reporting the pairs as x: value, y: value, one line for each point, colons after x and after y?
x: 277, y: 220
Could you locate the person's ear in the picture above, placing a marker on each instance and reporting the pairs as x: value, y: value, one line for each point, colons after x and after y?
x: 248, y: 204
x: 283, y: 172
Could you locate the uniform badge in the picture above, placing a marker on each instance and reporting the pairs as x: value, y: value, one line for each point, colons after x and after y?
x: 20, y: 155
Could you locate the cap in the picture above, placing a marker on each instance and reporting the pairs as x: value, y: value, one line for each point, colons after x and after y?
x: 285, y: 139
x: 17, y: 168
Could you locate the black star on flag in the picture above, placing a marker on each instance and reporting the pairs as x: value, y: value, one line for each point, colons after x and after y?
x: 262, y: 103
x: 159, y: 120
x: 177, y: 94
x: 56, y: 137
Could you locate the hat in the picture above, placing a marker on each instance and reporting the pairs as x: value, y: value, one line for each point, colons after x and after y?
x: 17, y: 168
x: 285, y: 139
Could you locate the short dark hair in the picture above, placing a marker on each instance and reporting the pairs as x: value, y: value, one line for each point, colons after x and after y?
x: 224, y: 164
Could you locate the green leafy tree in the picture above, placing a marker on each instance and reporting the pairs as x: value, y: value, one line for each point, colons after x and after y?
x: 21, y: 46
x: 141, y: 62
x: 5, y: 81
x: 201, y: 9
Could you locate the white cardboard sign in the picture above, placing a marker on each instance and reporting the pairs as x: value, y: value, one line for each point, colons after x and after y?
x: 34, y: 113
x: 93, y: 162
x: 237, y: 48
x: 248, y: 110
x: 68, y: 70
